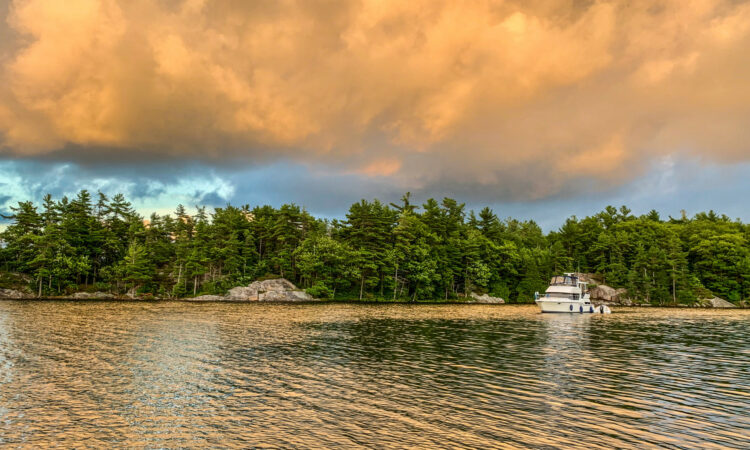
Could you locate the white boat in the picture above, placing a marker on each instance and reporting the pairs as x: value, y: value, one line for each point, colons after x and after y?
x: 567, y: 294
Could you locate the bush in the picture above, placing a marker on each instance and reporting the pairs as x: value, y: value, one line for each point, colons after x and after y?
x: 500, y: 289
x: 319, y: 290
x: 269, y: 276
x: 179, y: 290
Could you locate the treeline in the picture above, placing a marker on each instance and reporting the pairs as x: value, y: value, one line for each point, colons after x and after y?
x: 381, y: 251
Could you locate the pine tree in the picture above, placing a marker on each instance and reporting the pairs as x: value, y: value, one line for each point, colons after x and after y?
x: 394, y: 252
x: 136, y: 267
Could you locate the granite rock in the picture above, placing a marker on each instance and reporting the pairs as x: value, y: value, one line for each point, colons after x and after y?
x: 484, y: 298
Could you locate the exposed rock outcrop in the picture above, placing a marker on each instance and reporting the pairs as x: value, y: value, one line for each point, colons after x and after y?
x: 285, y: 296
x: 242, y: 293
x: 476, y: 298
x: 208, y: 298
x: 276, y: 290
x: 606, y: 294
x: 13, y: 294
x: 590, y: 278
x: 92, y: 295
x: 716, y: 302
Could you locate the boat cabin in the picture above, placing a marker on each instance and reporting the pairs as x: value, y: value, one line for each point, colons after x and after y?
x: 567, y: 286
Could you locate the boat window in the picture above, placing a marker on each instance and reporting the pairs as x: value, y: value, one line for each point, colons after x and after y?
x: 564, y: 295
x: 564, y: 281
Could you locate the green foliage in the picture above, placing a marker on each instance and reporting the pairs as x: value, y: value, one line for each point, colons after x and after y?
x: 396, y: 252
x: 13, y: 280
x: 319, y: 290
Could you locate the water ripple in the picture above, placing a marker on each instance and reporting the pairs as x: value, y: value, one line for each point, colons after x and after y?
x: 118, y: 374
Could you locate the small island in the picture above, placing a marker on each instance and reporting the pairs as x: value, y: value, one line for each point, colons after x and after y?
x: 101, y: 248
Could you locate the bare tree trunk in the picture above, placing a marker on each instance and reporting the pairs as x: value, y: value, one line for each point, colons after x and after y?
x: 195, y: 285
x: 362, y: 286
x: 466, y: 283
x: 395, y: 282
x: 40, y: 287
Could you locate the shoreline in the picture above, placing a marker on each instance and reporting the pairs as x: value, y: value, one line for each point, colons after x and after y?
x: 362, y: 302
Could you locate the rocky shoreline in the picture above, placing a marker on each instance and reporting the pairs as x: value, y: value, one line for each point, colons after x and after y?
x: 275, y: 290
x: 606, y: 295
x: 282, y: 290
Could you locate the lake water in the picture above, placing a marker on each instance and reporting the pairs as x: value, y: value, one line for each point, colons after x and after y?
x: 345, y: 375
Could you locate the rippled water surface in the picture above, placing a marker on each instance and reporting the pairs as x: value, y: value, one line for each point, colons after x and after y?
x: 312, y: 375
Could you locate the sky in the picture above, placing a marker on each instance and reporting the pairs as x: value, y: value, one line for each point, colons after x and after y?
x: 540, y: 109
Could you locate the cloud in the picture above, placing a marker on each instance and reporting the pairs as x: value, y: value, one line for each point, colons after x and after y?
x: 514, y: 99
x: 156, y: 189
x: 668, y: 186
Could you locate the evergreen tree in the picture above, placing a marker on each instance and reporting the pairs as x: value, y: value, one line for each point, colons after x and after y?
x: 379, y: 251
x: 136, y: 267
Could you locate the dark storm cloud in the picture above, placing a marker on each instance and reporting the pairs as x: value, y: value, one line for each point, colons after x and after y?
x: 668, y: 186
x: 515, y: 100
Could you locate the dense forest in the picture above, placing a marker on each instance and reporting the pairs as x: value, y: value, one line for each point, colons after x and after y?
x: 403, y: 251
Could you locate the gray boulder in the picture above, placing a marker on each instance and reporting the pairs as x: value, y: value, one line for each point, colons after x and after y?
x: 484, y: 298
x: 606, y: 294
x: 242, y: 293
x: 276, y: 290
x: 285, y: 296
x: 590, y: 278
x: 91, y: 295
x: 13, y: 294
x: 207, y: 298
x: 717, y: 302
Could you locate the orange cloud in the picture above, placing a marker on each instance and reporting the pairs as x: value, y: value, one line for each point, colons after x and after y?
x: 380, y: 168
x: 494, y: 93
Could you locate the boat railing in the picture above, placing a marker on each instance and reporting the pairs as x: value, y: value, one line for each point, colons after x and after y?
x: 560, y: 295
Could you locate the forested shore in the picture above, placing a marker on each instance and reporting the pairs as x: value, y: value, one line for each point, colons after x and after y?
x: 398, y: 251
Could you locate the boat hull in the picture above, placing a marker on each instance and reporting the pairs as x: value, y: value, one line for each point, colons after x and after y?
x: 565, y: 306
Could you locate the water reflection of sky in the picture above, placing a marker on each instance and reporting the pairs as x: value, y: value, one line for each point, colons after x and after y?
x: 182, y: 375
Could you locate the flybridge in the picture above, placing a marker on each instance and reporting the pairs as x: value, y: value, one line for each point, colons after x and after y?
x: 564, y: 280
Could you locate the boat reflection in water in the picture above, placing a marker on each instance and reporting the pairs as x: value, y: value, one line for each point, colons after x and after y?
x: 170, y: 374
